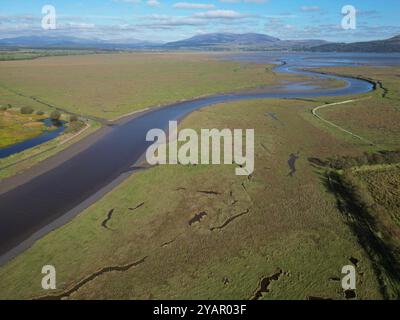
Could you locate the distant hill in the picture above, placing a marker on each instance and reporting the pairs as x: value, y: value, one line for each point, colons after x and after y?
x: 210, y: 41
x: 219, y: 39
x: 56, y: 41
x: 388, y: 45
x: 245, y: 41
x: 299, y: 44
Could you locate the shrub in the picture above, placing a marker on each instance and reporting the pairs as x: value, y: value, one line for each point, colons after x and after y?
x: 345, y: 162
x: 319, y: 162
x: 3, y: 108
x: 378, y: 158
x: 55, y: 115
x: 362, y: 160
x: 73, y: 118
x: 26, y: 110
x: 74, y: 126
x: 40, y: 113
x: 391, y: 156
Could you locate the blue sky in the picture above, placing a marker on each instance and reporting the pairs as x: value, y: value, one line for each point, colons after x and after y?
x: 168, y: 20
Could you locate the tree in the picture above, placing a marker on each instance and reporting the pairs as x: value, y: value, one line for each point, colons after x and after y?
x: 26, y: 110
x: 55, y: 115
x: 73, y: 118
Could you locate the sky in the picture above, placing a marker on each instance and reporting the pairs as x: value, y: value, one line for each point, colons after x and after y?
x: 170, y: 20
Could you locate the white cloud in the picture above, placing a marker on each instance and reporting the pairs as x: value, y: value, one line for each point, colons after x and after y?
x: 128, y: 1
x: 255, y: 1
x: 81, y: 25
x: 153, y: 3
x: 221, y: 14
x: 187, y: 5
x: 245, y: 1
x: 310, y: 8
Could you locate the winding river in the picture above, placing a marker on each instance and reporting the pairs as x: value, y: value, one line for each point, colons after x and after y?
x: 32, y: 208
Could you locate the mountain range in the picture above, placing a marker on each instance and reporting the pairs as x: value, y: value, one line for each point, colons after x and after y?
x: 210, y: 41
x: 245, y: 41
x: 72, y: 42
x: 388, y: 45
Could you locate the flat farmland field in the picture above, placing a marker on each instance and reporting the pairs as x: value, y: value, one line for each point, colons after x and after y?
x: 110, y: 85
x: 10, y: 99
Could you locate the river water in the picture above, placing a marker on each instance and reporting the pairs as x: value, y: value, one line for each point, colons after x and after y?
x: 27, y: 211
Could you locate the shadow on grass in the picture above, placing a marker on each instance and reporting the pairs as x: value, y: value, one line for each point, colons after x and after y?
x: 364, y: 226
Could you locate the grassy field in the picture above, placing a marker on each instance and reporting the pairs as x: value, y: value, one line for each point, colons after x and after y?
x: 111, y: 85
x: 376, y: 119
x: 254, y: 228
x: 30, y: 54
x: 383, y: 183
x: 368, y: 197
x: 10, y: 99
x: 16, y: 127
x: 367, y: 186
